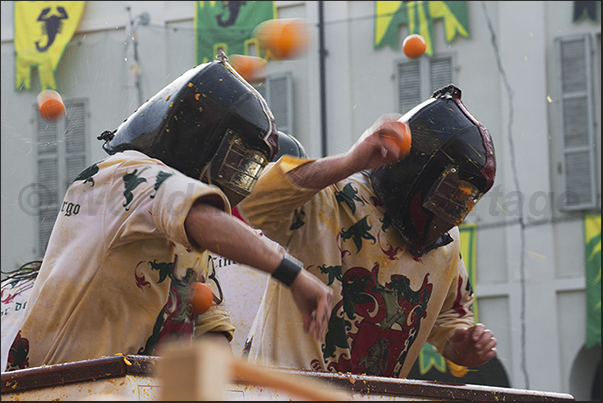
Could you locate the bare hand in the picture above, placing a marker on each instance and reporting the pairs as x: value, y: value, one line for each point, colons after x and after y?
x: 471, y: 347
x: 313, y: 299
x: 375, y: 147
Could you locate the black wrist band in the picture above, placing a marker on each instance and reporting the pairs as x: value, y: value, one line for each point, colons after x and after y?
x: 288, y: 270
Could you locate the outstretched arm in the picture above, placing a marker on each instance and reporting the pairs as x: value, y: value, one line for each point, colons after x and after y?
x: 211, y: 228
x: 377, y: 146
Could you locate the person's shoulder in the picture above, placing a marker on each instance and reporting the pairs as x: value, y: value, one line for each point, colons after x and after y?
x: 134, y: 157
x: 455, y: 235
x: 359, y: 180
x: 131, y: 160
x: 455, y: 245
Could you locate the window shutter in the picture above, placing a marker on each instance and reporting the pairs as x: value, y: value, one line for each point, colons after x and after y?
x: 61, y: 156
x: 418, y: 79
x: 440, y: 73
x: 277, y: 89
x: 48, y: 178
x: 75, y: 142
x: 47, y: 137
x: 409, y: 84
x: 577, y: 122
x: 48, y: 184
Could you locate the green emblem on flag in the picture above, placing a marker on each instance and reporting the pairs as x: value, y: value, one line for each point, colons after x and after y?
x: 468, y: 254
x: 229, y: 25
x: 419, y: 16
x: 428, y: 358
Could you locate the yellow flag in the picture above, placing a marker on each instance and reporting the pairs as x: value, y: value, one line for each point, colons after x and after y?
x: 468, y: 253
x: 42, y: 30
x: 592, y: 237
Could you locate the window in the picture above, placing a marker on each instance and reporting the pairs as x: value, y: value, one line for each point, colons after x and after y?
x: 277, y: 89
x: 61, y: 156
x: 418, y: 79
x: 576, y: 115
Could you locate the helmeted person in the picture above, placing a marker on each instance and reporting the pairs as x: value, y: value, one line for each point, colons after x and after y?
x: 381, y: 231
x: 108, y: 283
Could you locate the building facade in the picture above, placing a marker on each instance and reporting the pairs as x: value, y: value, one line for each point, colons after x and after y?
x: 529, y: 71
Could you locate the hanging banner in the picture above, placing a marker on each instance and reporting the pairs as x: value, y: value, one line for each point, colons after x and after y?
x: 429, y: 359
x: 229, y: 25
x: 42, y: 31
x: 468, y: 253
x: 419, y: 16
x: 586, y: 10
x: 592, y: 237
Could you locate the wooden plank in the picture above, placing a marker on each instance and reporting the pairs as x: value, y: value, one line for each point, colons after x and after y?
x: 118, y: 366
x: 374, y: 385
x: 60, y: 374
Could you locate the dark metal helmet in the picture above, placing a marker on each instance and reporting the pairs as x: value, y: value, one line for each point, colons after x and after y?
x: 450, y: 166
x: 209, y: 123
x: 289, y: 145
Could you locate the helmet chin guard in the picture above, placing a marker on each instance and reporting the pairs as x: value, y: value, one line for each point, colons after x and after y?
x: 235, y: 168
x: 209, y: 123
x: 451, y: 165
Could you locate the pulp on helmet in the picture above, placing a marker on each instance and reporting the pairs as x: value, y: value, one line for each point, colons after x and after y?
x: 451, y: 165
x: 210, y: 124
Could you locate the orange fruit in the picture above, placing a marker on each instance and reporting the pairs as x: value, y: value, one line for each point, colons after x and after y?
x: 249, y: 67
x: 414, y: 46
x: 200, y: 297
x: 403, y: 141
x: 50, y: 105
x: 283, y: 38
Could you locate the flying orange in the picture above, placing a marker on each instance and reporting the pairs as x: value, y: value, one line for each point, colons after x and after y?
x: 404, y: 139
x: 283, y: 38
x: 50, y: 105
x: 414, y: 46
x: 249, y: 67
x: 201, y: 298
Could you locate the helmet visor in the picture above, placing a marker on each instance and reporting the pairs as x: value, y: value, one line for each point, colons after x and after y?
x: 451, y: 197
x: 236, y: 168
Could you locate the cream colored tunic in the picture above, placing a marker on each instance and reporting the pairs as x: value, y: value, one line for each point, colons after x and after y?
x: 386, y: 305
x: 112, y: 281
